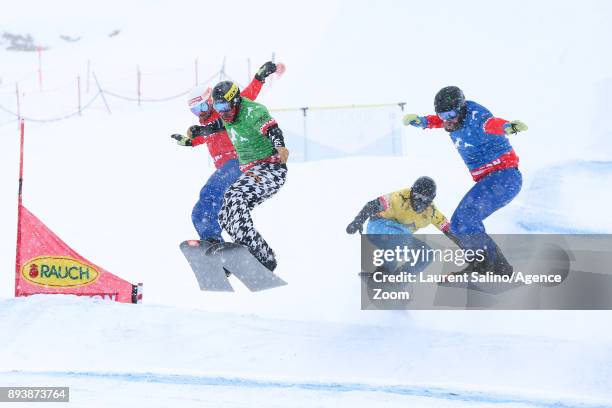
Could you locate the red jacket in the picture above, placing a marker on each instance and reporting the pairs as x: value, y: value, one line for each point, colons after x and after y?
x: 219, y: 145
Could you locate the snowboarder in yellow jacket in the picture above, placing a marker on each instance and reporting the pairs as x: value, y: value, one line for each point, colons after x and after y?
x: 401, y: 212
x: 394, y: 217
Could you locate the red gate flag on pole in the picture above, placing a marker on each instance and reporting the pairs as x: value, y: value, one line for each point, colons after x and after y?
x: 46, y: 264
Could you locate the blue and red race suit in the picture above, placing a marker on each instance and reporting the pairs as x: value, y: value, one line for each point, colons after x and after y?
x: 493, y: 164
x: 481, y: 141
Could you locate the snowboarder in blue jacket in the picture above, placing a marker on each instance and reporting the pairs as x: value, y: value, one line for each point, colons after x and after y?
x: 481, y: 140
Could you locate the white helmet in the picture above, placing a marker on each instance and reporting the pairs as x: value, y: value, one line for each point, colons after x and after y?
x: 198, y: 99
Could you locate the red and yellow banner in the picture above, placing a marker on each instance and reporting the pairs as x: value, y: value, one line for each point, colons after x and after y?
x: 45, y: 264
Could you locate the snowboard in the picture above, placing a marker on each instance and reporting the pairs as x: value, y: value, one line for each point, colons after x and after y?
x: 212, y: 264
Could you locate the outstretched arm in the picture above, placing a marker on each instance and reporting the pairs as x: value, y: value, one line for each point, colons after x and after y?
x: 371, y: 208
x: 197, y: 135
x: 182, y: 140
x: 200, y: 134
x: 425, y: 122
x: 499, y: 126
x: 254, y: 88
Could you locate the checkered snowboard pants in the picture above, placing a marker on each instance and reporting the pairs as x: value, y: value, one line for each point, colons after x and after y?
x: 251, y: 189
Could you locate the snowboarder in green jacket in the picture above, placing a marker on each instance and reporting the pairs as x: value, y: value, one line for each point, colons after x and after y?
x: 262, y: 156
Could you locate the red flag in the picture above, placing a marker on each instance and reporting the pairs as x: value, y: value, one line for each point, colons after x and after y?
x: 45, y: 264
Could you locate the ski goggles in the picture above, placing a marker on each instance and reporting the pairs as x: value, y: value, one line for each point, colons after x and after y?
x: 448, y: 115
x: 222, y: 106
x: 422, y: 198
x: 200, y: 108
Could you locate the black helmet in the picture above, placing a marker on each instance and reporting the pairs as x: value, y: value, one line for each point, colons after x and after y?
x: 422, y: 193
x: 449, y: 98
x: 226, y: 100
x: 450, y: 107
x: 225, y: 96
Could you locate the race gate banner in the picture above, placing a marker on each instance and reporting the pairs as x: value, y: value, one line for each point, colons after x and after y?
x: 45, y: 264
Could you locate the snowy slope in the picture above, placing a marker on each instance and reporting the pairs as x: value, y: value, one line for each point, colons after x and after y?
x: 119, y: 353
x: 130, y: 218
x: 558, y: 194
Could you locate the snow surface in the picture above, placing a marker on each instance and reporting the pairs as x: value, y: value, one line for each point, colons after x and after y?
x: 121, y: 355
x: 119, y: 190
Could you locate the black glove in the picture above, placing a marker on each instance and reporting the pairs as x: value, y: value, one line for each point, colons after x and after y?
x: 275, y: 134
x: 265, y: 70
x: 206, y: 130
x: 196, y: 130
x: 354, y: 226
x: 371, y: 208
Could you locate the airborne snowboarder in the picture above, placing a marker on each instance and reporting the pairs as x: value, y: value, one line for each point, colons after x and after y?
x: 262, y: 155
x: 211, y: 132
x: 481, y: 140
